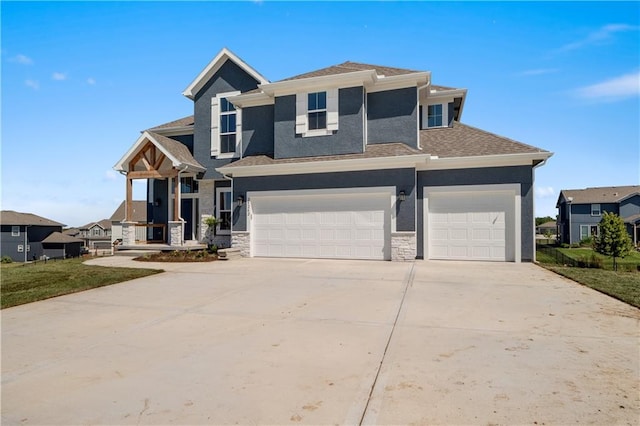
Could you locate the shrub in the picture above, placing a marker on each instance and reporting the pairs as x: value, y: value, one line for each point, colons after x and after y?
x: 6, y: 259
x: 586, y: 242
x: 613, y: 240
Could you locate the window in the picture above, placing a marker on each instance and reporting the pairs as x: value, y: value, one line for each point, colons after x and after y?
x: 434, y: 115
x: 317, y: 113
x: 15, y: 231
x: 223, y: 210
x: 317, y: 110
x: 587, y: 231
x: 188, y: 185
x: 20, y: 248
x: 96, y: 232
x: 595, y: 210
x: 226, y: 126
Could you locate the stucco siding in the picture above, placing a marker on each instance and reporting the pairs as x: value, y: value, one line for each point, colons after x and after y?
x: 522, y: 175
x: 392, y: 116
x: 229, y: 78
x: 348, y: 139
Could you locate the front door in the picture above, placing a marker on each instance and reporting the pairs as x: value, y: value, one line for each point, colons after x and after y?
x: 186, y: 212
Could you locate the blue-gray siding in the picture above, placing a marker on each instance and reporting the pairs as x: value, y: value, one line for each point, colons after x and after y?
x: 630, y: 206
x: 392, y: 116
x: 34, y: 236
x: 522, y: 175
x: 348, y: 139
x: 402, y: 179
x: 229, y: 78
x: 257, y: 130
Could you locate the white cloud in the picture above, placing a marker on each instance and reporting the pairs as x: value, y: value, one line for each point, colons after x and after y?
x: 33, y: 84
x: 59, y: 76
x: 614, y: 89
x: 21, y: 59
x: 539, y: 71
x: 91, y: 81
x: 600, y: 36
x: 545, y: 192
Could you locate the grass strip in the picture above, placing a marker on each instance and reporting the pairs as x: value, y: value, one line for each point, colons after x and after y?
x: 26, y: 283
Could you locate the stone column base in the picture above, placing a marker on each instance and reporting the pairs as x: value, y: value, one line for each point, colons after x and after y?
x: 128, y: 233
x: 403, y: 246
x: 175, y: 233
x: 241, y: 240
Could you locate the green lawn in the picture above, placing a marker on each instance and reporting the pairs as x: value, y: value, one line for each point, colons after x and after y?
x: 20, y: 283
x: 624, y: 285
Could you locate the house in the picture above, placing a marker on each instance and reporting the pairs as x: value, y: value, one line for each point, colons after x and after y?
x: 580, y: 211
x: 139, y: 209
x: 96, y: 234
x: 352, y: 161
x: 547, y: 228
x: 26, y: 236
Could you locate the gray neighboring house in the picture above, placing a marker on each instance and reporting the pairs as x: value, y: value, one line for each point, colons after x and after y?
x: 60, y: 245
x: 550, y: 228
x: 96, y: 235
x: 26, y: 236
x: 353, y: 161
x: 580, y: 211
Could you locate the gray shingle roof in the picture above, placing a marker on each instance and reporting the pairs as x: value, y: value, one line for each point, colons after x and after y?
x: 104, y: 224
x: 348, y: 66
x: 394, y: 149
x: 139, y: 212
x: 605, y: 194
x: 462, y: 140
x: 60, y: 238
x: 178, y: 150
x: 10, y: 217
x: 181, y: 122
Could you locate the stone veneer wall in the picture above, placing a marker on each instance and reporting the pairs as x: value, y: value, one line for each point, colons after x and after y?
x: 175, y: 233
x: 128, y: 233
x: 207, y: 208
x: 403, y: 246
x: 241, y: 240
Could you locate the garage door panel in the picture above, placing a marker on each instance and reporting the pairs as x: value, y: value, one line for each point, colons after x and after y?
x: 469, y: 226
x: 356, y: 227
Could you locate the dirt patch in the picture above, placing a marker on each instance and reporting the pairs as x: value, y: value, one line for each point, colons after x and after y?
x: 179, y: 256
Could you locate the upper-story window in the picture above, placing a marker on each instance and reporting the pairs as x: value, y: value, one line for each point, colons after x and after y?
x: 226, y: 126
x: 434, y: 115
x: 595, y: 210
x: 317, y: 113
x: 96, y: 232
x: 317, y: 110
x: 15, y: 231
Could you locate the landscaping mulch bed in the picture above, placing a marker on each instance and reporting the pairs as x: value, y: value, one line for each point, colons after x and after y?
x: 179, y: 256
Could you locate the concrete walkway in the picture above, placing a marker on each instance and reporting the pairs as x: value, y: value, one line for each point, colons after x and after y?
x: 265, y: 341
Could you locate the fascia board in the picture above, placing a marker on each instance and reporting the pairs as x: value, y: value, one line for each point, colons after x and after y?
x: 399, y: 81
x: 290, y: 87
x: 360, y: 164
x: 504, y: 160
x: 455, y: 93
x: 251, y: 100
x: 214, y: 66
x: 175, y: 131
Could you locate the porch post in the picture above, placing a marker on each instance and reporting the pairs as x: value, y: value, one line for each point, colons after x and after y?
x: 176, y: 198
x: 128, y: 206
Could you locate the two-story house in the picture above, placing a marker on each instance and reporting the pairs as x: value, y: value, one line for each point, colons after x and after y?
x: 351, y: 161
x: 26, y: 236
x: 96, y: 234
x: 580, y: 211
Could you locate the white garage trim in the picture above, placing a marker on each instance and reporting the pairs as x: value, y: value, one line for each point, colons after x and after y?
x: 511, y: 190
x: 285, y: 223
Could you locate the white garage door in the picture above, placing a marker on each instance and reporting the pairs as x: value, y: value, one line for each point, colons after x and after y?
x: 471, y: 226
x: 338, y: 226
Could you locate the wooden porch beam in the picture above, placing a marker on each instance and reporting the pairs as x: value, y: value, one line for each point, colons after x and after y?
x: 129, y: 201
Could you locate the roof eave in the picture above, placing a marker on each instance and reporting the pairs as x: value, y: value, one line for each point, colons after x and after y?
x: 499, y: 160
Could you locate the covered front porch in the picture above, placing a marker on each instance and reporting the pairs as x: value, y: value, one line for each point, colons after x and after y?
x: 165, y: 164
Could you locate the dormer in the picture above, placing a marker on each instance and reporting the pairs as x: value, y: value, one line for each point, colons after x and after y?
x: 440, y: 106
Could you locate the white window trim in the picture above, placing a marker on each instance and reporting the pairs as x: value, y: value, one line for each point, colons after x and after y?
x: 20, y: 248
x: 302, y: 111
x: 15, y: 233
x: 218, y: 230
x: 215, y: 127
x: 445, y: 115
x: 599, y: 209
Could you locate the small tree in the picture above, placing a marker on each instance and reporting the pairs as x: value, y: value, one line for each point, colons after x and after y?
x: 613, y: 239
x: 212, y: 223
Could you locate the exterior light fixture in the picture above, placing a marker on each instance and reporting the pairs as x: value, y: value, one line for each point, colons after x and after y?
x: 402, y: 196
x: 240, y: 200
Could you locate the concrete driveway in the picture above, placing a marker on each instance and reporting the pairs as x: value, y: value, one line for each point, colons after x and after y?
x: 264, y: 341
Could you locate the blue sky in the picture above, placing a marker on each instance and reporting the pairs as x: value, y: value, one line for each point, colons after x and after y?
x: 81, y: 80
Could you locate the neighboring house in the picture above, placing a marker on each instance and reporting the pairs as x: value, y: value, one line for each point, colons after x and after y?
x: 580, y: 211
x: 60, y: 245
x: 25, y: 236
x: 547, y: 228
x: 96, y: 234
x: 139, y: 216
x: 351, y: 161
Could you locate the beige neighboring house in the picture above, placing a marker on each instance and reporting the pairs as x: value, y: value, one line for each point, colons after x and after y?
x: 550, y: 227
x: 96, y: 235
x: 139, y: 216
